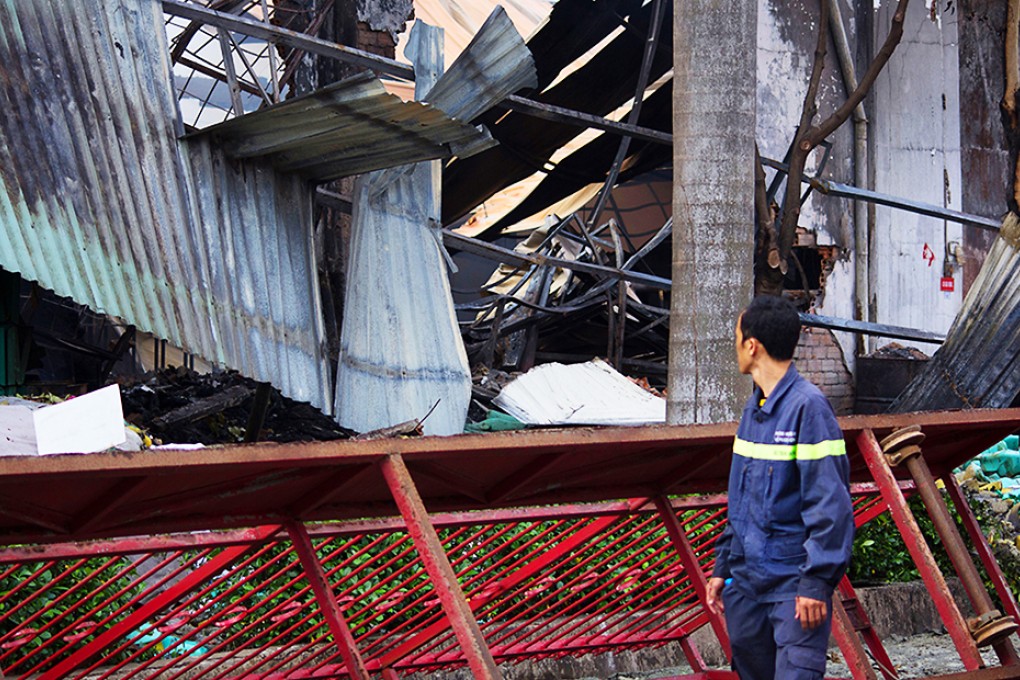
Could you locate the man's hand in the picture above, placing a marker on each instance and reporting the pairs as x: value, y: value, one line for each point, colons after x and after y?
x: 810, y: 613
x: 714, y: 598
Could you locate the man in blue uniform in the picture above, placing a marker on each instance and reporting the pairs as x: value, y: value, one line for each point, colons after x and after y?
x: 790, y: 519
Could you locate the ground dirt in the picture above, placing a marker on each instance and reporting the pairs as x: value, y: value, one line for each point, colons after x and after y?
x: 918, y: 656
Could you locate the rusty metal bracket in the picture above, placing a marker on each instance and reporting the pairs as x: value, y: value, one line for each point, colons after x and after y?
x: 991, y: 627
x: 902, y: 445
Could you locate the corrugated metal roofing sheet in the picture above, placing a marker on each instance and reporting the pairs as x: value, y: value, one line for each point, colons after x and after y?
x: 100, y: 202
x: 348, y: 128
x: 978, y: 366
x: 401, y: 353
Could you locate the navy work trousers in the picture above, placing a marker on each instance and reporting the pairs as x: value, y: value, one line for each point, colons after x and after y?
x: 768, y: 642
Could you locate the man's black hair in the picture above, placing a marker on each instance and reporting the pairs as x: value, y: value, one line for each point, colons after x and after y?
x: 773, y: 321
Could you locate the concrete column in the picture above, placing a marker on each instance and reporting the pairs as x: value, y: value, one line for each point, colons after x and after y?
x: 713, y: 204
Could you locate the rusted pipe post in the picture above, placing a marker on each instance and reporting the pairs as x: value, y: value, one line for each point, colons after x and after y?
x: 919, y: 551
x: 441, y: 574
x: 990, y: 627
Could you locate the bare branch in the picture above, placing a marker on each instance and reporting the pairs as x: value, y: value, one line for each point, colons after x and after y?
x: 816, y: 135
x: 810, y: 107
x: 803, y: 144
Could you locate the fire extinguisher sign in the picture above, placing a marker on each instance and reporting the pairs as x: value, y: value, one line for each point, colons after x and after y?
x: 947, y: 284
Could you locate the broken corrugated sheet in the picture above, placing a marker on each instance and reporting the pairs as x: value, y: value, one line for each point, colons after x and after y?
x: 592, y: 393
x: 254, y: 258
x: 495, y: 64
x: 348, y: 128
x: 101, y: 203
x: 979, y: 363
x: 401, y: 353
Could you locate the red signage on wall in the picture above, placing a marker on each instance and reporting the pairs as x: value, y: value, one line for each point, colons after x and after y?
x: 947, y: 284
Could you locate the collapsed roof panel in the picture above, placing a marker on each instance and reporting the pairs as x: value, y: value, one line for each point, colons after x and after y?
x: 588, y: 164
x: 606, y: 81
x: 100, y: 202
x: 348, y: 128
x: 572, y: 28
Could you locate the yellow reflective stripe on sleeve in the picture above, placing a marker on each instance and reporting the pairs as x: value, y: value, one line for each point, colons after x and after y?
x: 831, y: 447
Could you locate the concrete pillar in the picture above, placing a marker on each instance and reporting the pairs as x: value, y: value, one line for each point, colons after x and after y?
x: 713, y: 204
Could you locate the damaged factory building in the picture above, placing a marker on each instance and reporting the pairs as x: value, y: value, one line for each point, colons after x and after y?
x: 391, y: 338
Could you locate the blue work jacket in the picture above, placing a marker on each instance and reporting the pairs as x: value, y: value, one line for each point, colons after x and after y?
x: 790, y: 519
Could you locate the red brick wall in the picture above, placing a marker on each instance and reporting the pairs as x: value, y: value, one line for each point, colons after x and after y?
x: 820, y: 360
x: 376, y: 42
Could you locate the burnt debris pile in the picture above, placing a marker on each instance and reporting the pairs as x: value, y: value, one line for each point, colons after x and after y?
x: 182, y: 406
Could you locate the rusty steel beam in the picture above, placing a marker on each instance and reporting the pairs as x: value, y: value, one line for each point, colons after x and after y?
x: 651, y: 43
x: 861, y: 623
x: 848, y: 642
x: 559, y: 114
x: 332, y: 487
x: 101, y: 509
x: 192, y: 498
x: 451, y: 479
x: 520, y: 478
x: 869, y: 328
x: 37, y: 516
x: 302, y: 41
x: 437, y: 564
x: 919, y: 551
x: 694, y: 658
x: 342, y: 636
x: 689, y: 558
x: 277, y: 34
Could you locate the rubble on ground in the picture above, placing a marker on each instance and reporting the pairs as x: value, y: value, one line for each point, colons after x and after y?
x: 991, y: 483
x: 895, y: 350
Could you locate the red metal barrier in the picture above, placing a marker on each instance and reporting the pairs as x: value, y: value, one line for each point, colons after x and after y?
x: 540, y: 582
x: 418, y: 592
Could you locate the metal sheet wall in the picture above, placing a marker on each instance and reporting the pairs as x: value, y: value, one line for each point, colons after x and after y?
x: 99, y: 201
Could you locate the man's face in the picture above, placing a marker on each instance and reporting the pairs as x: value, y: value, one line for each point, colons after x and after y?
x: 743, y: 350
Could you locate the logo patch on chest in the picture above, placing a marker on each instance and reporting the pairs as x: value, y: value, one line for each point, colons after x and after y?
x: 785, y: 436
